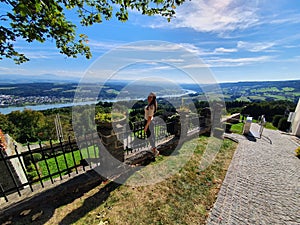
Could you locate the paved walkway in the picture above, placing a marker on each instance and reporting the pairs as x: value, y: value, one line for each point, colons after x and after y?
x: 262, y: 185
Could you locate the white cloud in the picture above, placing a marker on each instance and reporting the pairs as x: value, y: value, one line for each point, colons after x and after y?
x: 215, y: 15
x: 191, y: 48
x: 15, y: 70
x: 172, y: 60
x: 255, y: 47
x: 159, y: 46
x: 102, y: 45
x: 288, y: 18
x: 227, y: 62
x: 225, y: 50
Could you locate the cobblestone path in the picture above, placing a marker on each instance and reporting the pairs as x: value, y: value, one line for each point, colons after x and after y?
x: 262, y: 185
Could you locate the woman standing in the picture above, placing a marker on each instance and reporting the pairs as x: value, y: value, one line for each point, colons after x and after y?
x: 150, y: 109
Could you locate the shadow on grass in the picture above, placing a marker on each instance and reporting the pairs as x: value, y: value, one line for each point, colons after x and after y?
x: 90, y: 203
x: 41, y: 208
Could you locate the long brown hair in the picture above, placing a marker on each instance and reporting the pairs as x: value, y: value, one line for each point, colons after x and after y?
x: 153, y: 101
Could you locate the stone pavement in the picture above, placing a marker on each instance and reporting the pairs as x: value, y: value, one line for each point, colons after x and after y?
x: 262, y: 185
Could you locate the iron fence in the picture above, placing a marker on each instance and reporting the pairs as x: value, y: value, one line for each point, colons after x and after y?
x: 65, y: 157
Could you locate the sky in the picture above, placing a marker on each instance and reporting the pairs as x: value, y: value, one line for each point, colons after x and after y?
x: 235, y: 40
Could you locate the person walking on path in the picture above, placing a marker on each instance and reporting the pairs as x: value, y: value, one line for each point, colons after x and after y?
x: 150, y: 109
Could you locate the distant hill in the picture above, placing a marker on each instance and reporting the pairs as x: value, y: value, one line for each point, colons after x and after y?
x: 262, y: 90
x: 255, y: 90
x: 43, y: 78
x: 53, y: 85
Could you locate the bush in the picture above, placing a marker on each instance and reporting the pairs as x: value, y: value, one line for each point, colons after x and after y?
x: 31, y: 175
x: 31, y: 172
x: 36, y: 157
x: 283, y: 124
x: 297, y: 152
x: 276, y: 120
x: 27, y: 159
x: 109, y: 117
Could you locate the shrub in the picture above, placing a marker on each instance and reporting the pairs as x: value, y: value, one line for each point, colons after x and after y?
x: 31, y: 175
x: 31, y: 172
x: 27, y: 159
x: 297, y: 152
x: 36, y: 157
x: 283, y: 124
x: 276, y: 120
x: 108, y: 117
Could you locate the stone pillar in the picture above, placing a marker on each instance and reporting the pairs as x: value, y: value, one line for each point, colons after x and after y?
x: 110, y: 140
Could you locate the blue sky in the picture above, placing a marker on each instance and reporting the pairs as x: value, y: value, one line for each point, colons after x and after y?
x: 238, y: 41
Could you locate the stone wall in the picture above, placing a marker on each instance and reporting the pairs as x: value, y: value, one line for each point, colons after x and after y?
x: 14, y: 165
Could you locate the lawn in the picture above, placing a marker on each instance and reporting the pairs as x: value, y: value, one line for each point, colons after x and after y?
x: 237, y: 128
x: 69, y: 158
x: 183, y: 198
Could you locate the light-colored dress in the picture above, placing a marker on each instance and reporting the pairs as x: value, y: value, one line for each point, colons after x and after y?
x: 149, y: 112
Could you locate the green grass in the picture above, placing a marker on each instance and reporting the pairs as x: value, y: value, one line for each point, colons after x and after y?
x: 261, y: 98
x: 184, y: 198
x: 270, y: 126
x: 237, y: 128
x: 277, y: 97
x: 263, y: 90
x: 288, y: 89
x: 243, y: 99
x: 62, y: 162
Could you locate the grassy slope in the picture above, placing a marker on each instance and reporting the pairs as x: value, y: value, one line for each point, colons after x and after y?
x: 184, y: 198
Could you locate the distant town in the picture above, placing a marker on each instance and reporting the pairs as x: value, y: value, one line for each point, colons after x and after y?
x: 12, y: 100
x: 25, y: 94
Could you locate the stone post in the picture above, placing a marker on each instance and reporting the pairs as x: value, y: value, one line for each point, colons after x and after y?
x: 110, y: 140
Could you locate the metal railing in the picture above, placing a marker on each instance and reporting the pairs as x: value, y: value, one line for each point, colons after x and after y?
x: 65, y: 157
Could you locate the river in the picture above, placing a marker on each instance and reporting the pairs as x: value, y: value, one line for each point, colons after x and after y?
x: 7, y: 110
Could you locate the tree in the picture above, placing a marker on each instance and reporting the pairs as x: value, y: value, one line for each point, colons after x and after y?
x: 283, y: 124
x: 5, y: 125
x: 276, y: 120
x: 28, y: 124
x: 41, y: 20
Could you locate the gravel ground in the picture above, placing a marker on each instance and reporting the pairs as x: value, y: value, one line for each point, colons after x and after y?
x: 262, y: 185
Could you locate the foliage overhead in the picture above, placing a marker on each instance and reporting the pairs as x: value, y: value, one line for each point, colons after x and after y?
x: 41, y: 20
